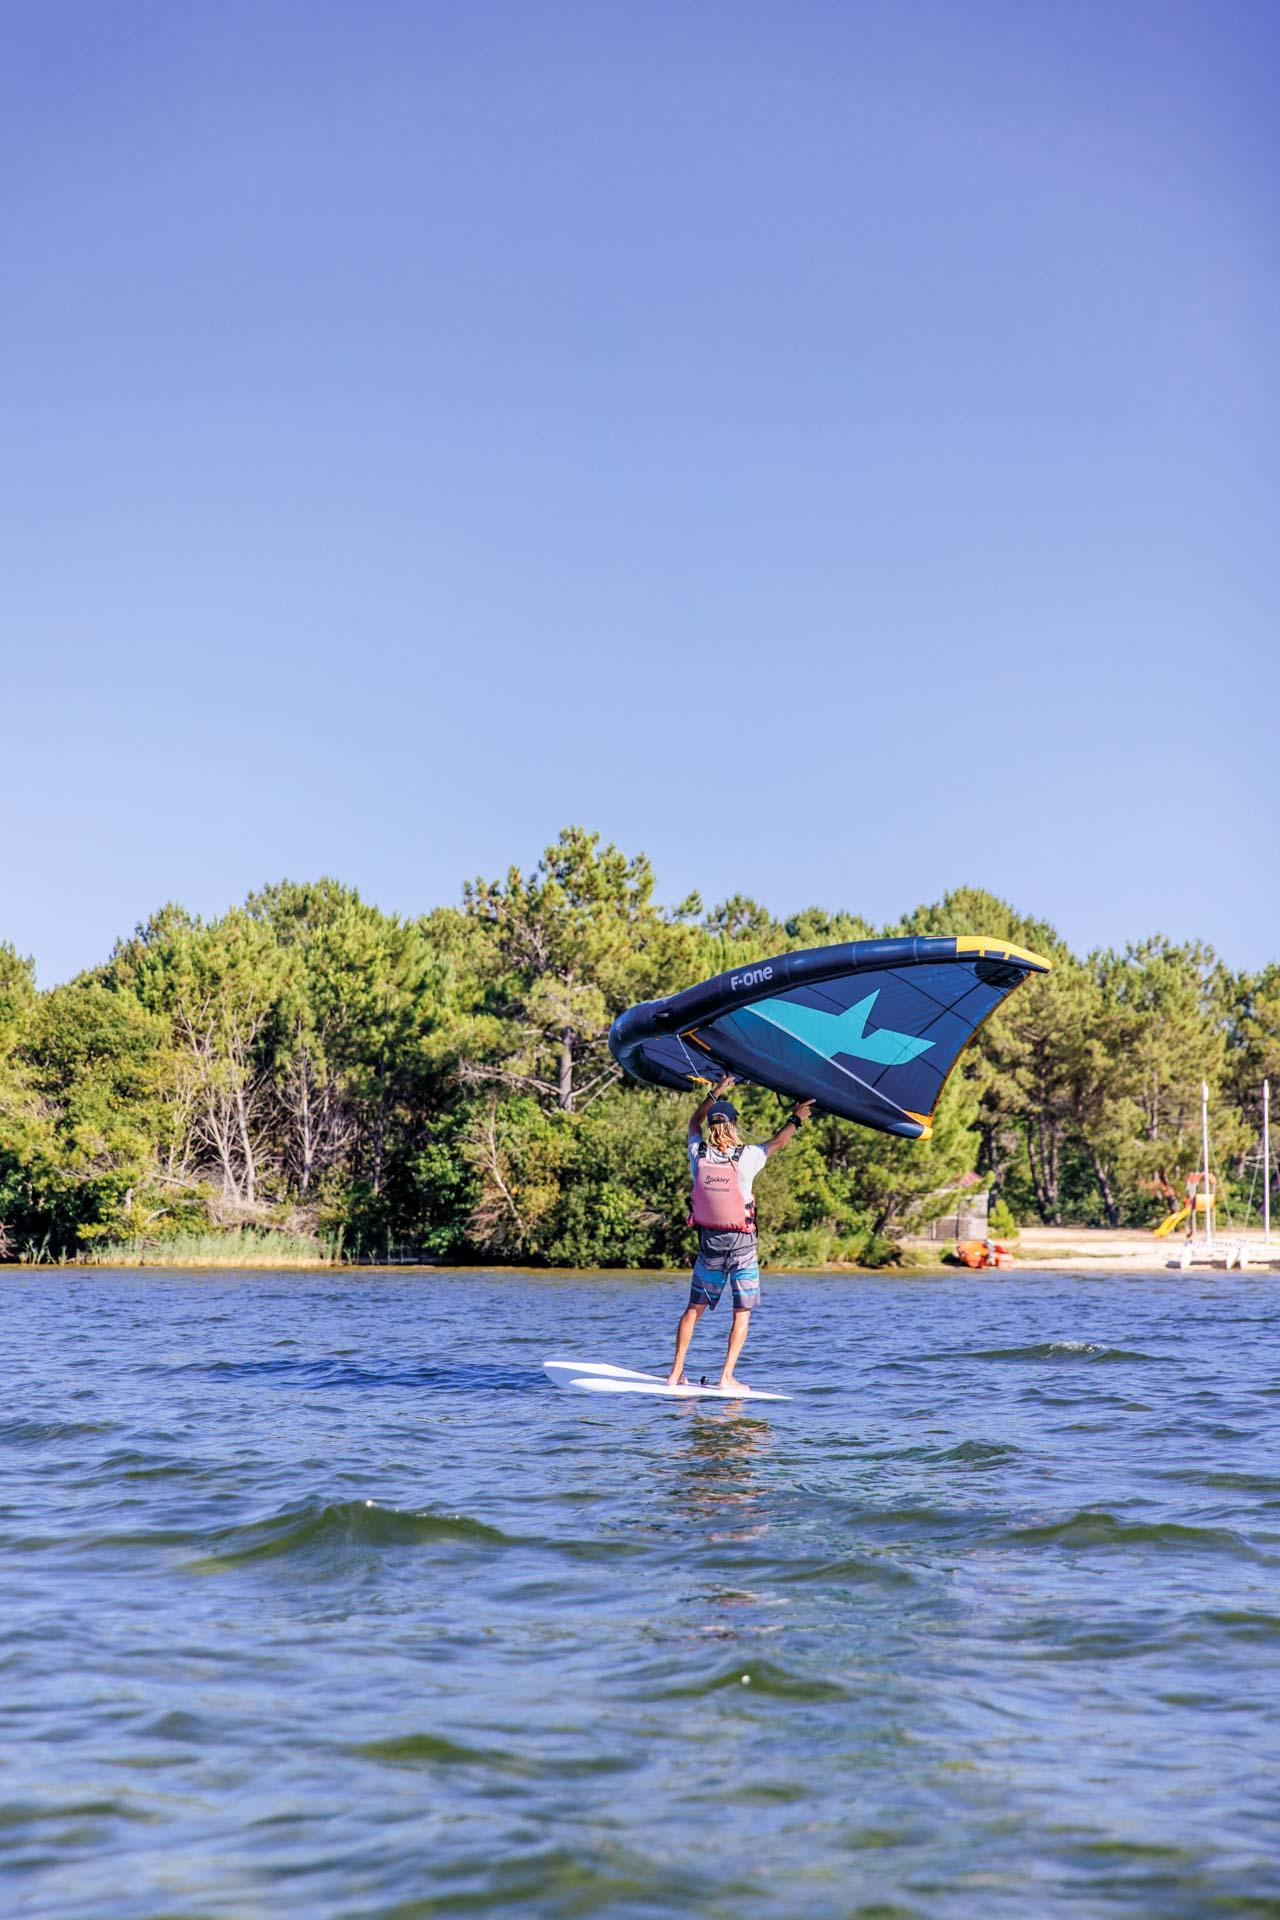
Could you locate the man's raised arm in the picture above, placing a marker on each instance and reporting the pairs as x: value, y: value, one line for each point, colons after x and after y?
x: 786, y: 1132
x: 703, y: 1108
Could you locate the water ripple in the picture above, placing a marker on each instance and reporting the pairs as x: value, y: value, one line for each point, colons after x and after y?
x: 316, y: 1598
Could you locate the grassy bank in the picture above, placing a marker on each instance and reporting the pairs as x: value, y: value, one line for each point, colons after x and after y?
x: 261, y: 1248
x: 251, y: 1247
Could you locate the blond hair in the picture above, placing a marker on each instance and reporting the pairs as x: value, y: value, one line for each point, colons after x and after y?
x: 722, y: 1134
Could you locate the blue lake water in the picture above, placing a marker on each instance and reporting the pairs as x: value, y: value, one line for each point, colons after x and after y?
x: 317, y: 1599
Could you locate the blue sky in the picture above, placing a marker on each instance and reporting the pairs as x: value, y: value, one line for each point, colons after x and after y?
x: 831, y: 448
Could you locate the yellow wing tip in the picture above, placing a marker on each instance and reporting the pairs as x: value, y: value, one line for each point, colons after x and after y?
x: 925, y: 1120
x: 1000, y: 950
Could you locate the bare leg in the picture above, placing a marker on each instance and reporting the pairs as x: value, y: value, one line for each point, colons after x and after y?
x: 737, y: 1340
x: 684, y: 1333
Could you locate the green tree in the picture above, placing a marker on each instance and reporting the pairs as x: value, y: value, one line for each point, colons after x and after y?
x: 815, y: 927
x: 743, y: 919
x: 898, y: 1183
x: 1173, y: 1006
x: 95, y: 1061
x: 20, y: 1118
x: 1255, y: 1037
x: 1027, y: 1076
x: 519, y: 1157
x: 572, y: 944
x: 356, y: 1030
x: 220, y: 988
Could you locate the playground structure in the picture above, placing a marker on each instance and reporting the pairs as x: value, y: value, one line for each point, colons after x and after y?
x: 1202, y: 1246
x: 1199, y: 1202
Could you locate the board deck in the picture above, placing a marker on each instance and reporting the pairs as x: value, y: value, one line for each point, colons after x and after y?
x: 597, y: 1376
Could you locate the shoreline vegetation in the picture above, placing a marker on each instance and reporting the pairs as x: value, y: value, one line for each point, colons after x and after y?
x: 1085, y: 1251
x: 308, y: 1081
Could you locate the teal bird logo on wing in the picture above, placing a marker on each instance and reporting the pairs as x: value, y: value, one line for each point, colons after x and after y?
x: 832, y: 1033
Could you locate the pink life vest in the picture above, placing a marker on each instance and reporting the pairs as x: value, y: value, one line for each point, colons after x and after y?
x: 717, y: 1202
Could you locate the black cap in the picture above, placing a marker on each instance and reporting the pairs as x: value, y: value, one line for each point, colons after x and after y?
x: 722, y: 1109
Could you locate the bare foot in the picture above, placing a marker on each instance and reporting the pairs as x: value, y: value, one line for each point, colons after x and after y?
x: 730, y: 1384
x: 676, y: 1377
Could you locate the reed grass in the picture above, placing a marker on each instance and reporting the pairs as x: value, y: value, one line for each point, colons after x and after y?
x: 249, y: 1247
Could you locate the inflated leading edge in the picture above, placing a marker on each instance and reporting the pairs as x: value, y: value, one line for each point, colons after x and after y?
x: 869, y: 1029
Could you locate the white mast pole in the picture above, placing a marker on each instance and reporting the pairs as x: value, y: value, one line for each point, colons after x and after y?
x: 1266, y: 1163
x: 1204, y: 1140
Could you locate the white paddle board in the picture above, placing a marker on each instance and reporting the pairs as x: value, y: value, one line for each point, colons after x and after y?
x: 595, y: 1376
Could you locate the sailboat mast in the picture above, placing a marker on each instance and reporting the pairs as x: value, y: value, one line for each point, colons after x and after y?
x: 1266, y: 1163
x: 1204, y: 1140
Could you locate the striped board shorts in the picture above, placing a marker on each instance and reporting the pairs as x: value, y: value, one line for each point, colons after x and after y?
x: 726, y: 1256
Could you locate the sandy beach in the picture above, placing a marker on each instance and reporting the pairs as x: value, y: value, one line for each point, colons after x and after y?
x: 1113, y: 1250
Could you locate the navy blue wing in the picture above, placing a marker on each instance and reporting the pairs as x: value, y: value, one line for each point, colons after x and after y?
x: 869, y: 1030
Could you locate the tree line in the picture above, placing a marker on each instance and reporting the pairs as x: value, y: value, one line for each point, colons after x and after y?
x: 441, y: 1086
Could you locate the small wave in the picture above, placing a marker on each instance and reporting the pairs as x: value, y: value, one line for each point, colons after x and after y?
x: 1089, y: 1350
x: 1105, y: 1530
x: 34, y: 1433
x: 181, y: 1727
x: 1222, y: 1481
x: 433, y: 1750
x: 95, y: 1545
x: 1111, y: 1847
x: 1244, y: 1623
x: 850, y: 1570
x: 1061, y: 1643
x: 335, y: 1372
x: 979, y: 1453
x: 22, y: 1813
x: 921, y: 1522
x: 774, y: 1793
x: 314, y: 1526
x: 757, y: 1676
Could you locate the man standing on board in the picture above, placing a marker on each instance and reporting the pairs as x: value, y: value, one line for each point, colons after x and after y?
x: 724, y: 1213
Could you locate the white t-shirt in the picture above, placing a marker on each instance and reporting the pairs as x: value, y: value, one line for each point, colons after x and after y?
x: 750, y: 1161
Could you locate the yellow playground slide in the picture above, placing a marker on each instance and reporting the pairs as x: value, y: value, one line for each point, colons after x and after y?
x: 1172, y: 1220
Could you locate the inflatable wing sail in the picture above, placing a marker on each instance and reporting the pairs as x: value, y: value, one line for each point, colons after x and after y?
x: 870, y: 1029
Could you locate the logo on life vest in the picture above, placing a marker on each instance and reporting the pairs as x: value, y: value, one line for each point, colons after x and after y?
x: 718, y: 1203
x: 754, y: 977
